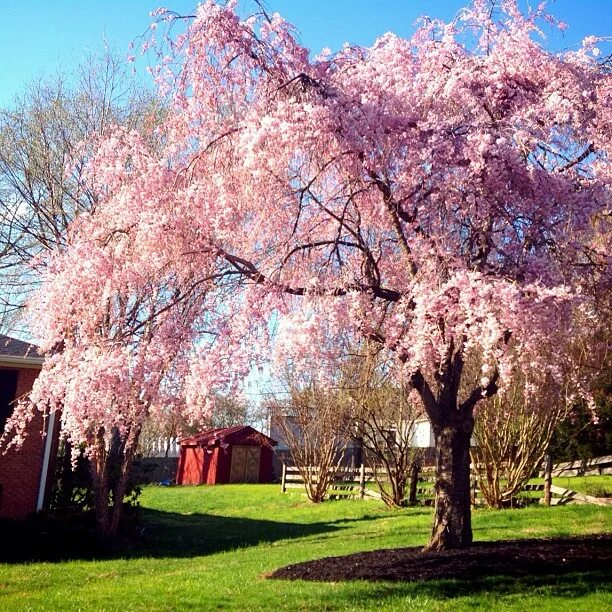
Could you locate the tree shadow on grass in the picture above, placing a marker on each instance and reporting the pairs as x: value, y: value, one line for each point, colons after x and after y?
x: 169, y: 534
x: 177, y: 535
x: 560, y: 584
x: 567, y: 586
x: 155, y: 534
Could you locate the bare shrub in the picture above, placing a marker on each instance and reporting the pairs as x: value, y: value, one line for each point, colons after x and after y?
x: 312, y: 422
x: 512, y: 433
x: 384, y: 416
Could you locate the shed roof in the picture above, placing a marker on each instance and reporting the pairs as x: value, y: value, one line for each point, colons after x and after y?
x: 223, y: 436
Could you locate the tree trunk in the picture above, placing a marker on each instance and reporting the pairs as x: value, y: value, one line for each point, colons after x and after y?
x: 124, y: 459
x: 118, y: 495
x: 452, y: 522
x: 101, y: 489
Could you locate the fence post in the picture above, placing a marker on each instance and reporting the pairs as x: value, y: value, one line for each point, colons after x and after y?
x: 362, y: 481
x: 547, y: 478
x: 415, y: 468
x: 284, y: 479
x: 473, y: 486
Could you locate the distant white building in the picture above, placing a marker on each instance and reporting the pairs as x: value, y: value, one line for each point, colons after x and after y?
x: 422, y: 435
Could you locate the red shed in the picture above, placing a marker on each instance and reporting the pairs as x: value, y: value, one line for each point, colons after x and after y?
x: 26, y: 472
x: 231, y: 454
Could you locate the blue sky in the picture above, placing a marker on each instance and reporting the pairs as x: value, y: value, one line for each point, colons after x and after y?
x: 39, y: 37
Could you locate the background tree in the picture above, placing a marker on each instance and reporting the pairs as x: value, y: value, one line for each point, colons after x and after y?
x: 43, y: 153
x: 42, y: 161
x: 581, y: 436
x: 126, y: 338
x: 587, y: 430
x: 125, y: 352
x: 515, y: 429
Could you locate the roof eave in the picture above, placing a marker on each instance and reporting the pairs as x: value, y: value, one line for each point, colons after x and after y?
x: 21, y: 362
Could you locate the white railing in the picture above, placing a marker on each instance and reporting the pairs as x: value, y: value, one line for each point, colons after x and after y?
x: 163, y: 447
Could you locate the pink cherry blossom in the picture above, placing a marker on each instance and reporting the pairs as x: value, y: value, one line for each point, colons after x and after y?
x: 447, y: 196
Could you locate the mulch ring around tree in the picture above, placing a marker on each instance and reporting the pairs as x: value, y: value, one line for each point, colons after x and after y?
x: 508, y: 557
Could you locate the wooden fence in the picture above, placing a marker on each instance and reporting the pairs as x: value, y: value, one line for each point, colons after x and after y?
x: 567, y: 496
x: 584, y: 467
x: 353, y: 483
x: 347, y: 482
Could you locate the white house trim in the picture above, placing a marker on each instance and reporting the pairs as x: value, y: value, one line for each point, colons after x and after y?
x: 42, y: 487
x: 11, y: 361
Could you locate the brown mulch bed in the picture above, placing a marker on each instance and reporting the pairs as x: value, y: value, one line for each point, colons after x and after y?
x: 507, y: 558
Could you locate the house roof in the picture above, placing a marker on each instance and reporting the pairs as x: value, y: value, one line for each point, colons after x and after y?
x: 223, y: 436
x: 17, y: 348
x: 18, y: 353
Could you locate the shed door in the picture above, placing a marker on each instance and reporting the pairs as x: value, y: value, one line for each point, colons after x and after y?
x: 245, y: 463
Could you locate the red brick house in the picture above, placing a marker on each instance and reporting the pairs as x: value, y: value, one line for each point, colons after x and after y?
x: 25, y: 473
x: 228, y: 455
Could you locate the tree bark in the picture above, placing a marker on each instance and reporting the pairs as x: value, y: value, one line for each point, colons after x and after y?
x: 101, y: 489
x: 452, y: 521
x: 453, y: 424
x: 118, y: 495
x: 110, y: 470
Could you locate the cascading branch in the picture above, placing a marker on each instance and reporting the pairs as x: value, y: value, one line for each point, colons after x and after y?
x: 447, y: 196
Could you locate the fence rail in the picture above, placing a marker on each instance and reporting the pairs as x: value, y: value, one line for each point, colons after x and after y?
x: 586, y: 467
x: 347, y: 482
x: 351, y: 483
x: 567, y: 496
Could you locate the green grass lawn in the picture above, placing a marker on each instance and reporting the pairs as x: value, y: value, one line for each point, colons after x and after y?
x: 211, y: 547
x: 597, y: 486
